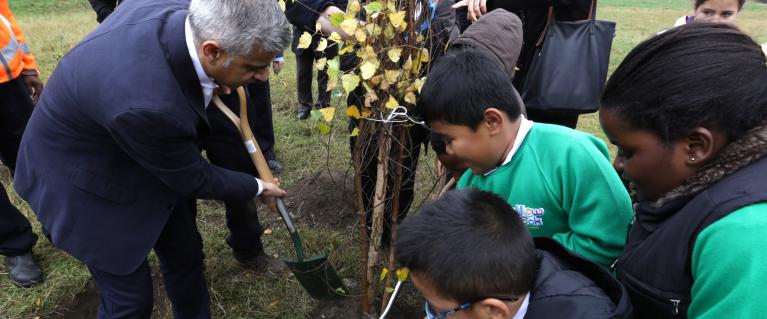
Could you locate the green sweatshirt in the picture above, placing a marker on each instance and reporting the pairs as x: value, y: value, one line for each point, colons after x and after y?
x: 563, y: 186
x: 729, y: 266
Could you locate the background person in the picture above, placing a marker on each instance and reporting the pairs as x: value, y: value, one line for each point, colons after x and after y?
x: 20, y: 88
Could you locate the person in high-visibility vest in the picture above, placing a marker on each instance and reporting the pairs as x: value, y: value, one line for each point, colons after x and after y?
x: 20, y: 87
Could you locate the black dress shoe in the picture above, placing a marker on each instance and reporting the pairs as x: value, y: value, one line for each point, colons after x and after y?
x: 261, y: 263
x: 304, y: 112
x: 274, y: 165
x: 24, y: 272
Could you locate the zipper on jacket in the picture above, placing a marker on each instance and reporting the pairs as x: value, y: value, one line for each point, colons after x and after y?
x: 675, y: 302
x: 612, y: 267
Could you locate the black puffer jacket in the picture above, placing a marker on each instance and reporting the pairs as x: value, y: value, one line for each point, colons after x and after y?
x: 569, y: 286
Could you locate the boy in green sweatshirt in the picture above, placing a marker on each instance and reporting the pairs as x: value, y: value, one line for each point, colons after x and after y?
x: 559, y: 180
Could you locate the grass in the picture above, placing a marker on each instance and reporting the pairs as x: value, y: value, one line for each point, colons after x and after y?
x: 53, y: 26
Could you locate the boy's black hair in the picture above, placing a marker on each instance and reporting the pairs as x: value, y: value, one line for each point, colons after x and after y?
x: 467, y: 245
x: 437, y: 143
x: 698, y: 3
x: 462, y: 85
x: 700, y: 74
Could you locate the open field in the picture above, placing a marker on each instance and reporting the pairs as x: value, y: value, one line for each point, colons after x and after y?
x: 317, y: 176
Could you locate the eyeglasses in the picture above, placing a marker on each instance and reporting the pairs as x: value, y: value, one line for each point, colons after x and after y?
x: 432, y: 314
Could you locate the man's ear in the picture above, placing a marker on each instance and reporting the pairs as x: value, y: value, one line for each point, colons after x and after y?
x: 493, y: 309
x: 700, y: 145
x: 211, y: 52
x: 494, y: 120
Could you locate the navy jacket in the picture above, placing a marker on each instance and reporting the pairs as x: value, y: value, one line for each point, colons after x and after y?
x: 111, y: 146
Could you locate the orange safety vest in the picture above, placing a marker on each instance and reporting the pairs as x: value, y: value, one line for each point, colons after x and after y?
x: 15, y: 56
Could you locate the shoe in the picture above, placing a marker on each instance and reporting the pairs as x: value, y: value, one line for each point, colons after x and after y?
x: 304, y: 112
x: 24, y: 272
x: 261, y: 263
x: 274, y: 165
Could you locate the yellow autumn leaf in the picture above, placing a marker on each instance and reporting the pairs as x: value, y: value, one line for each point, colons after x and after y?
x: 402, y: 27
x: 321, y: 45
x: 376, y: 80
x: 335, y: 37
x: 346, y: 49
x: 328, y: 113
x: 355, y: 132
x: 389, y: 32
x: 353, y: 112
x: 419, y: 83
x: 305, y: 40
x: 391, y: 103
x: 392, y: 75
x: 408, y: 64
x: 368, y: 69
x: 354, y: 6
x: 402, y: 274
x: 384, y: 272
x: 320, y: 64
x: 389, y: 289
x: 424, y: 55
x: 397, y: 18
x: 360, y: 35
x: 332, y: 77
x: 370, y: 53
x: 410, y: 98
x: 350, y: 82
x: 317, y: 27
x: 349, y: 26
x: 391, y: 6
x: 394, y: 54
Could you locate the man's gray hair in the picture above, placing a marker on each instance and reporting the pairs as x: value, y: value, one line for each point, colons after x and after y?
x: 239, y: 26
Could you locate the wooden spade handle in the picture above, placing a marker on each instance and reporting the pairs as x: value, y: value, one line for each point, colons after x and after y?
x: 247, y: 137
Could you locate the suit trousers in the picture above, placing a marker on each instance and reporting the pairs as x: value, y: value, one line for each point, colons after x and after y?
x: 179, y: 249
x: 223, y: 147
x: 304, y: 70
x: 16, y: 236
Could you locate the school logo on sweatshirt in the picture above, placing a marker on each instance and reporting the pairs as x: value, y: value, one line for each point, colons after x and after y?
x: 531, y: 216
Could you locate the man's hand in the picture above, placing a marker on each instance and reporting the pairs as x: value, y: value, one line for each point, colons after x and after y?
x: 277, y: 66
x: 477, y: 8
x: 270, y: 192
x: 34, y: 85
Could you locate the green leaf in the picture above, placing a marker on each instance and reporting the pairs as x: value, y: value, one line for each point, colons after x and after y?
x: 324, y: 128
x: 341, y: 290
x: 355, y: 132
x: 315, y: 115
x: 402, y: 274
x: 336, y: 19
x: 389, y: 289
x: 373, y: 7
x: 384, y: 272
x: 350, y: 82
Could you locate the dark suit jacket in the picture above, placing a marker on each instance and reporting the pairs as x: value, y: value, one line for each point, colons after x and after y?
x: 111, y: 146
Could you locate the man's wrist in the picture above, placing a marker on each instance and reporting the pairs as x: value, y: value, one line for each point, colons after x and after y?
x: 30, y: 73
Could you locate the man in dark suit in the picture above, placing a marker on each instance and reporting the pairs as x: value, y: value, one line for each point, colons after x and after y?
x: 110, y: 162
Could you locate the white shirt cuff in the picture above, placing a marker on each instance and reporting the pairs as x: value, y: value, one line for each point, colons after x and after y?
x: 279, y: 59
x: 260, y: 187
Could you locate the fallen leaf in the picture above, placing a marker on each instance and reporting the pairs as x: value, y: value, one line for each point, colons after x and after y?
x: 274, y: 303
x: 268, y: 231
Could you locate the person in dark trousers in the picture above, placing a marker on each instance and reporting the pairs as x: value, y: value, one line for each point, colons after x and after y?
x: 223, y: 147
x: 305, y: 59
x: 534, y: 14
x: 18, y: 81
x: 687, y: 111
x: 110, y: 162
x: 104, y: 8
x: 471, y: 256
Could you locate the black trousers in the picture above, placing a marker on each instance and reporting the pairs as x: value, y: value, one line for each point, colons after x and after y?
x: 564, y: 119
x: 179, y: 249
x: 224, y: 148
x: 304, y: 69
x: 16, y: 236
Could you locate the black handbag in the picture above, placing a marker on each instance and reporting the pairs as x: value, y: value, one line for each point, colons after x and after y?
x: 569, y: 66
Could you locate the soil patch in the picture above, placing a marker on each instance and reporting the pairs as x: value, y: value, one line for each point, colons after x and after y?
x: 351, y: 307
x: 85, y: 303
x: 324, y: 198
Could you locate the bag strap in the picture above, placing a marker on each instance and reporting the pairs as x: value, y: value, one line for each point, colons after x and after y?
x: 549, y: 20
x: 593, y: 10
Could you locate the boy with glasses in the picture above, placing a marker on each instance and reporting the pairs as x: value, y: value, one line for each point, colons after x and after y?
x: 471, y: 256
